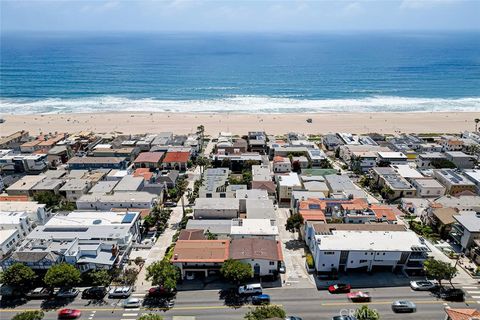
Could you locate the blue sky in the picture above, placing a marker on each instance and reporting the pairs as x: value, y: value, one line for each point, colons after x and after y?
x: 239, y: 15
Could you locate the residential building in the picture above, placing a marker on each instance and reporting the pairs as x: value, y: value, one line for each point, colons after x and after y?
x: 264, y: 255
x: 460, y: 202
x: 474, y: 176
x: 88, y: 240
x: 19, y: 221
x: 101, y: 202
x: 415, y: 206
x: 331, y: 141
x: 13, y: 140
x: 128, y: 153
x: 286, y: 184
x: 430, y: 147
x: 440, y: 219
x: 215, y: 183
x: 427, y: 159
x: 428, y: 187
x: 261, y: 173
x: 90, y: 163
x: 256, y: 228
x: 48, y: 185
x: 461, y: 314
x: 453, y: 181
x: 268, y: 186
x: 176, y: 160
x: 341, y: 186
x: 216, y: 208
x: 397, y: 186
x: 24, y: 186
x: 75, y: 188
x: 281, y: 165
x: 232, y: 147
x: 9, y: 239
x: 461, y: 160
x: 130, y: 184
x: 450, y: 143
x: 36, y: 212
x: 407, y: 172
x: 220, y: 228
x: 103, y: 187
x: 200, y: 256
x: 149, y: 160
x: 257, y: 142
x: 169, y: 178
x: 390, y: 158
x: 28, y: 163
x: 316, y: 157
x: 344, y: 250
x: 466, y: 230
x: 300, y: 162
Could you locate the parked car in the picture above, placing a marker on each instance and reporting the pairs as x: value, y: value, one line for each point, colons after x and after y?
x: 94, y: 293
x: 452, y: 294
x: 359, y: 296
x: 120, y: 292
x: 67, y: 293
x: 403, y: 306
x: 423, y: 285
x: 339, y: 288
x: 132, y: 303
x: 39, y: 293
x: 170, y: 204
x: 344, y: 318
x: 254, y: 288
x: 159, y: 292
x: 69, y: 314
x: 261, y: 299
x: 293, y: 318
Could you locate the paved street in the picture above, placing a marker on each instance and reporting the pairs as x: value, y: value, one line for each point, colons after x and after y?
x: 307, y: 303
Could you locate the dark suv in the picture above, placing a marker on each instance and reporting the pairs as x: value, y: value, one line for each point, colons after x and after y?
x: 94, y: 293
x: 452, y: 294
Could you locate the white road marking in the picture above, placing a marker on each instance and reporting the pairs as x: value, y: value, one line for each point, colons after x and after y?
x: 476, y: 297
x: 470, y: 287
x: 138, y: 294
x: 473, y: 292
x: 129, y: 314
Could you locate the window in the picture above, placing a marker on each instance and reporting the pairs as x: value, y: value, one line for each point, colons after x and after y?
x: 328, y: 252
x: 384, y: 253
x: 208, y: 195
x: 271, y: 263
x: 323, y: 265
x: 362, y: 261
x: 223, y: 195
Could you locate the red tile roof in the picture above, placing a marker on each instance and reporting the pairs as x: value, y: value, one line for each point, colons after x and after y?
x: 462, y: 314
x: 269, y: 186
x: 253, y: 248
x: 151, y: 157
x: 385, y: 212
x: 177, y: 157
x: 143, y: 172
x: 201, y: 251
x: 14, y: 198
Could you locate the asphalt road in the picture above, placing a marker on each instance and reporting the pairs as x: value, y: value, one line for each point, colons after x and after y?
x: 306, y: 303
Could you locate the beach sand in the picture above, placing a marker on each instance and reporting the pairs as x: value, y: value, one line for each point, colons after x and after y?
x: 129, y: 123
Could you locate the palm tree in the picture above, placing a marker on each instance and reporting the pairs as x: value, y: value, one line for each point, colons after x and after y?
x: 202, y: 162
x: 477, y: 120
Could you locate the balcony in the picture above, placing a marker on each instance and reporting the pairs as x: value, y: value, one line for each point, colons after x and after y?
x: 418, y: 256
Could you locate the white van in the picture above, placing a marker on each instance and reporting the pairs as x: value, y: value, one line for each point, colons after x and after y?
x: 253, y: 288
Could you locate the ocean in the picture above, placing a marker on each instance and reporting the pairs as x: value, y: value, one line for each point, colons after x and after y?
x: 244, y: 73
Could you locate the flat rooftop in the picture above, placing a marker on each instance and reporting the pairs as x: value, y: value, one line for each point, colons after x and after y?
x: 370, y: 241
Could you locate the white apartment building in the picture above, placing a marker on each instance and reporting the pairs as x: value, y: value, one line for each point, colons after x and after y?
x: 103, y: 202
x: 428, y: 187
x: 343, y: 250
x: 254, y: 228
x: 286, y: 184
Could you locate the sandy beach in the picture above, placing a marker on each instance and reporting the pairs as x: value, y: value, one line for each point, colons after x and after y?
x: 130, y: 123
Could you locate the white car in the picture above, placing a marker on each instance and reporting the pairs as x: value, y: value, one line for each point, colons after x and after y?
x: 67, y: 293
x: 120, y: 292
x: 132, y: 303
x: 423, y: 285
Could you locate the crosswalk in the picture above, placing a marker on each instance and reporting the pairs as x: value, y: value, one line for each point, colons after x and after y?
x: 130, y: 314
x: 473, y: 291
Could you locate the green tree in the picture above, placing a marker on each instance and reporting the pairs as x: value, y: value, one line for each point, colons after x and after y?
x: 18, y: 276
x: 62, y: 275
x: 211, y: 236
x: 29, y: 315
x: 266, y: 312
x: 442, y: 164
x: 50, y: 199
x: 439, y: 270
x: 202, y: 162
x: 365, y: 313
x: 99, y: 277
x: 151, y: 316
x: 325, y: 164
x: 162, y: 273
x: 294, y: 223
x: 236, y: 271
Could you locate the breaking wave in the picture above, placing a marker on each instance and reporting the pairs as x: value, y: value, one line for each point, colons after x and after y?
x: 238, y: 104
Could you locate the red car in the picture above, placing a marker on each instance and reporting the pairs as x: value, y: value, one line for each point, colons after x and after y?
x: 69, y: 314
x: 339, y: 288
x: 158, y: 292
x: 359, y: 296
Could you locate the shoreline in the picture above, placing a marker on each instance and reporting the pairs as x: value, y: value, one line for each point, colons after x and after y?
x: 241, y: 123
